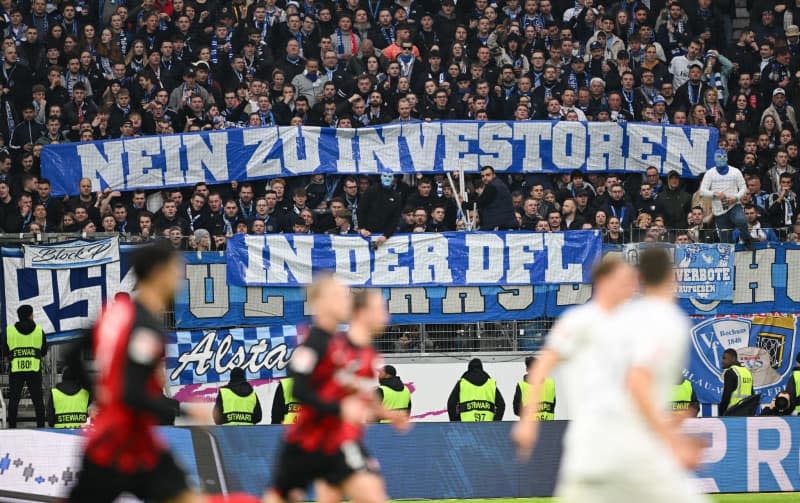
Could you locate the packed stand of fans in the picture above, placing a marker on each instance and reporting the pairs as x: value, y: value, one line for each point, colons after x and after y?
x: 83, y: 70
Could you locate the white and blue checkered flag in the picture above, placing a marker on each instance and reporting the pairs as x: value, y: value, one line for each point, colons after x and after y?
x: 207, y: 356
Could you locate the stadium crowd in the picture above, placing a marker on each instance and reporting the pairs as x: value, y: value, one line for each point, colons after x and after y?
x: 79, y: 70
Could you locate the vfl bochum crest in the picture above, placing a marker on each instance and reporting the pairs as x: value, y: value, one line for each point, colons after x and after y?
x: 765, y: 344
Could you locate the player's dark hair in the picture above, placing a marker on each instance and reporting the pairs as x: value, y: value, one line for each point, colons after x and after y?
x: 149, y: 259
x: 655, y: 266
x: 606, y: 267
x: 732, y: 353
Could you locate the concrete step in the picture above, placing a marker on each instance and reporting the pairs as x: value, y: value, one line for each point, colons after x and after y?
x: 742, y: 12
x: 740, y: 24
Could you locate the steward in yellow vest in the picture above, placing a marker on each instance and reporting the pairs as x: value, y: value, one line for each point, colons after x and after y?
x: 793, y: 386
x: 547, y: 402
x: 684, y: 399
x: 26, y: 345
x: 738, y: 381
x: 475, y: 397
x: 393, y: 393
x: 68, y: 406
x: 285, y: 406
x: 237, y: 403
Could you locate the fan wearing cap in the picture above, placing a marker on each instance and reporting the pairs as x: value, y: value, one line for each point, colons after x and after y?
x: 692, y: 91
x: 792, y: 37
x: 783, y: 113
x: 766, y: 27
x: 725, y: 186
x: 181, y: 95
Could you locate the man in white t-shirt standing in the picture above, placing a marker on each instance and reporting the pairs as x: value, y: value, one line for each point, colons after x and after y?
x: 579, y: 345
x: 679, y: 66
x: 725, y: 186
x: 653, y: 464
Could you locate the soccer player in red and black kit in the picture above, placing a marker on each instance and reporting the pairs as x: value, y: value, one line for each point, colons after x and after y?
x: 123, y: 452
x: 335, y: 379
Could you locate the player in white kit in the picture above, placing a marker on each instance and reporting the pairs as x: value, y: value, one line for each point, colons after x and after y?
x: 579, y: 345
x: 653, y: 335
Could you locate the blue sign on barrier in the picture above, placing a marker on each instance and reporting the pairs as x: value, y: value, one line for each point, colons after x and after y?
x: 216, y: 157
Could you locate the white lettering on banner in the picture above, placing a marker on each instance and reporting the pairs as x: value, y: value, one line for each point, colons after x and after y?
x: 352, y: 258
x: 692, y: 150
x: 457, y: 146
x: 527, y: 147
x: 520, y: 253
x: 569, y: 145
x: 374, y: 149
x: 387, y: 270
x: 67, y: 297
x: 265, y: 140
x: 605, y: 146
x: 56, y: 293
x: 409, y: 301
x: 463, y: 299
x: 773, y: 458
x: 516, y: 299
x: 198, y: 286
x: 260, y: 304
x: 717, y: 446
x: 141, y: 172
x: 105, y: 165
x: 555, y: 271
x: 173, y: 172
x: 641, y: 138
x: 422, y: 139
x: 793, y: 271
x: 204, y: 356
x: 754, y: 269
x: 45, y: 297
x: 532, y: 133
x: 480, y: 248
x: 211, y: 157
x: 282, y: 258
x: 346, y: 162
x: 494, y: 142
x: 299, y: 150
x: 430, y: 259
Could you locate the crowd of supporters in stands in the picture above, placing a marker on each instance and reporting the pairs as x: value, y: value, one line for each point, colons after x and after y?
x: 81, y: 70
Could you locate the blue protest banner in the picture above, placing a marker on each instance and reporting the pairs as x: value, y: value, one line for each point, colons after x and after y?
x: 422, y: 259
x: 215, y: 157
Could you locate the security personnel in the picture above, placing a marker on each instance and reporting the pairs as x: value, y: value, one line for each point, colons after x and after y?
x: 793, y: 386
x: 393, y: 393
x: 547, y: 402
x: 68, y: 406
x: 475, y: 396
x: 26, y: 344
x: 738, y: 381
x: 285, y: 407
x: 684, y: 399
x: 237, y: 403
